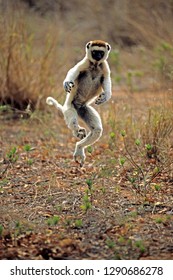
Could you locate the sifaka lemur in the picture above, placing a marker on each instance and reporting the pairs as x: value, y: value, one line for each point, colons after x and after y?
x: 87, y: 82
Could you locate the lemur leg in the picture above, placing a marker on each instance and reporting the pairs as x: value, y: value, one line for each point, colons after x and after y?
x: 93, y: 121
x: 71, y: 119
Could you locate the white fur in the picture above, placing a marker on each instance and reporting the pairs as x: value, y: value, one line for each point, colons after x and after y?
x: 77, y: 100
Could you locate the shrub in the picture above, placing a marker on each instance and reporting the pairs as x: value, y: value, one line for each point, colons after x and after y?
x: 26, y: 63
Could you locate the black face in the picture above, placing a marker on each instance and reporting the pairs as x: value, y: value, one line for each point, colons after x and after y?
x: 97, y: 55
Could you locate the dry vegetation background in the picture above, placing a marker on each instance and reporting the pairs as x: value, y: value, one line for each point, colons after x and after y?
x: 120, y: 205
x: 48, y: 37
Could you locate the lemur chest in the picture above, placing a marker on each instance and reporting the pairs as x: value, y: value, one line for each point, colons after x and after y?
x: 92, y: 75
x: 89, y: 83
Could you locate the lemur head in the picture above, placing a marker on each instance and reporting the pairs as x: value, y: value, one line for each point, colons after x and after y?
x: 97, y: 51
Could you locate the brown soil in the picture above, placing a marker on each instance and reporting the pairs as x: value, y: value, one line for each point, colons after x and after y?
x: 53, y: 209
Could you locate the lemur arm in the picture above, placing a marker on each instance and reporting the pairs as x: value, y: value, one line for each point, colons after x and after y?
x: 73, y: 73
x: 107, y: 86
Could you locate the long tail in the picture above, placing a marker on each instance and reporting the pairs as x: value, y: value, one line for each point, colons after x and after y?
x: 51, y: 101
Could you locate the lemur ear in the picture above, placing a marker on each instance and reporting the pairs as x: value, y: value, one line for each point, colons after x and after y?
x: 108, y: 46
x: 88, y: 45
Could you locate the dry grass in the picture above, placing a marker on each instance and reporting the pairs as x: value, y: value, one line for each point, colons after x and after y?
x: 28, y: 73
x: 39, y: 45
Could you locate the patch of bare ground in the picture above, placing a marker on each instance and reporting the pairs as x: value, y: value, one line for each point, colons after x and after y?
x: 53, y: 209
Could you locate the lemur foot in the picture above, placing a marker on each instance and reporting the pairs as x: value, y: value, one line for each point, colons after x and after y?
x: 68, y: 86
x: 80, y: 133
x: 101, y: 99
x: 79, y: 155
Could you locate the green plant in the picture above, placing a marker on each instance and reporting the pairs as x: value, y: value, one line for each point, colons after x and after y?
x: 30, y: 161
x: 112, y: 135
x: 133, y: 214
x: 78, y: 223
x: 121, y: 240
x: 1, y: 229
x: 130, y: 79
x: 27, y: 148
x: 86, y: 203
x: 122, y: 161
x: 103, y: 190
x: 3, y: 182
x: 163, y: 63
x: 115, y: 59
x: 68, y: 222
x: 157, y: 187
x: 18, y: 228
x: 90, y: 149
x: 87, y: 198
x: 5, y: 109
x: 59, y: 207
x: 159, y: 220
x: 12, y: 155
x: 139, y: 244
x: 52, y: 221
x: 110, y: 243
x: 89, y: 183
x: 50, y: 198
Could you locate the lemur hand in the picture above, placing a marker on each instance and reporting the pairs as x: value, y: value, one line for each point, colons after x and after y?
x: 68, y: 86
x: 103, y: 97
